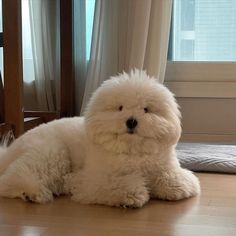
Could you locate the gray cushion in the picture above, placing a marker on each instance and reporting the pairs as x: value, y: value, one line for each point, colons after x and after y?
x: 207, y: 157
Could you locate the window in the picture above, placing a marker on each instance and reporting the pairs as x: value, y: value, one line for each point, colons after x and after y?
x: 204, y: 30
x: 202, y: 52
x: 27, y: 54
x: 90, y: 4
x: 1, y: 50
x: 183, y: 30
x: 28, y: 68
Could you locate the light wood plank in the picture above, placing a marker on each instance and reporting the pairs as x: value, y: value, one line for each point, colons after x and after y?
x: 212, y: 213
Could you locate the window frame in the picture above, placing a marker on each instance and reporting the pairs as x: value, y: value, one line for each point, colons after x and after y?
x: 202, y: 79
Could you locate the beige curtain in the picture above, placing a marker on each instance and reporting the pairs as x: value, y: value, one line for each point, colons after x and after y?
x: 44, y: 23
x: 128, y: 34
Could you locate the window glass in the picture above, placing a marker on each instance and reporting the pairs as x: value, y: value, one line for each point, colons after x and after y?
x: 1, y: 50
x: 28, y: 66
x: 90, y: 4
x: 203, y: 30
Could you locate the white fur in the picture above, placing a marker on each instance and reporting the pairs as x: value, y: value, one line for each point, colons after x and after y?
x: 127, y: 169
x: 33, y: 167
x: 96, y: 159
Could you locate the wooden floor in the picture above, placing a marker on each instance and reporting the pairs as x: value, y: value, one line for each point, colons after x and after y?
x: 211, y: 214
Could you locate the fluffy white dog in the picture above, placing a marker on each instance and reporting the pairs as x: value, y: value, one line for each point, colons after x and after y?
x: 120, y: 154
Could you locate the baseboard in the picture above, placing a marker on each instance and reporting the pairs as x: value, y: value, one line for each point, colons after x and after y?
x: 221, y: 138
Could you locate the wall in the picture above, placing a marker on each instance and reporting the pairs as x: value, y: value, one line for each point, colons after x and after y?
x: 208, y: 119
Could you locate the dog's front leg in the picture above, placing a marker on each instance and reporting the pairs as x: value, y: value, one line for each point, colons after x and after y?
x: 110, y: 189
x: 175, y: 185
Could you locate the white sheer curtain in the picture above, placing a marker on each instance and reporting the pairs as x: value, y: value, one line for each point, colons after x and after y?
x: 44, y: 20
x: 128, y: 34
x: 80, y: 57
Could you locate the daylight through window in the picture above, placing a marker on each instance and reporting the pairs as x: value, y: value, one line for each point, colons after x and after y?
x: 204, y: 30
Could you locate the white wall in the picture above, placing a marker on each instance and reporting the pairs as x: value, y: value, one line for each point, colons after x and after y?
x: 208, y: 119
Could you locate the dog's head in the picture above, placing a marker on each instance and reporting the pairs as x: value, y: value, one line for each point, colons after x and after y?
x: 133, y: 113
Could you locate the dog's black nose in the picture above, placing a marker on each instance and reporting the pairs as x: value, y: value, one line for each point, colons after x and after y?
x: 131, y: 123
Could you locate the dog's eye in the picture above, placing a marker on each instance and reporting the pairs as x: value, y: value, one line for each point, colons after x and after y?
x: 120, y: 108
x: 146, y: 110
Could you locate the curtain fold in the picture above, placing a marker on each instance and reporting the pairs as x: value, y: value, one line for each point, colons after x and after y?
x: 44, y: 22
x: 80, y: 60
x: 126, y: 35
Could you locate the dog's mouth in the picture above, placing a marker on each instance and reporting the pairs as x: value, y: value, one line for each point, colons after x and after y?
x: 127, y: 133
x: 131, y: 131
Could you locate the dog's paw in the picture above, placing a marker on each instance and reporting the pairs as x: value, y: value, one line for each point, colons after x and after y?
x: 42, y: 196
x: 135, y: 199
x: 68, y: 183
x: 184, y: 186
x: 117, y: 198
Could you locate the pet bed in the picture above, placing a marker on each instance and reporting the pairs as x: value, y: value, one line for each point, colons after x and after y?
x: 207, y: 157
